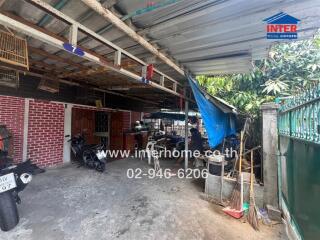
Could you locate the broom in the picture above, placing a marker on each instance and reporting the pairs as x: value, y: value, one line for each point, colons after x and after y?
x: 252, y: 215
x: 235, y: 201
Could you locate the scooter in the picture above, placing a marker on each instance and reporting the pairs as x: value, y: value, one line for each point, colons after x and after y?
x: 13, y: 179
x: 91, y: 156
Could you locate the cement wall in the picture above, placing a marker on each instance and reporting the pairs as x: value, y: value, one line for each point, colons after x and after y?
x: 213, y: 185
x: 270, y: 153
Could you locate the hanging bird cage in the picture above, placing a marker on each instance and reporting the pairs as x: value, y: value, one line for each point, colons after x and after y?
x: 49, y: 85
x: 9, y: 78
x: 13, y: 50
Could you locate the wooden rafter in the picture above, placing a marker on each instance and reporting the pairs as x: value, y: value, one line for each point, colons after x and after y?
x: 76, y: 83
x: 85, y: 73
x: 51, y: 67
x: 98, y: 70
x: 57, y: 58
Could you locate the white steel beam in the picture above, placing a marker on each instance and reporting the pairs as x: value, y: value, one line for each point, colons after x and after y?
x: 162, y: 80
x: 73, y: 35
x: 175, y: 87
x: 117, y: 58
x: 25, y: 130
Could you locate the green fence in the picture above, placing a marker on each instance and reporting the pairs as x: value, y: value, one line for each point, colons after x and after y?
x: 299, y: 148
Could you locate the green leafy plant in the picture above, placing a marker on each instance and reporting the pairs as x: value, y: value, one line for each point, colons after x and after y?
x: 290, y: 69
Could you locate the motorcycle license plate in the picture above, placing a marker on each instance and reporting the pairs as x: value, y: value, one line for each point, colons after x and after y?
x: 7, y: 182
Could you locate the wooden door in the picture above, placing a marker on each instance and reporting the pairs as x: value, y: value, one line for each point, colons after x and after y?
x: 116, y: 131
x: 83, y: 121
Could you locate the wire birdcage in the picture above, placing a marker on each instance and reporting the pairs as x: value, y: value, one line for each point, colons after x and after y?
x: 13, y: 50
x: 9, y: 78
x: 49, y: 85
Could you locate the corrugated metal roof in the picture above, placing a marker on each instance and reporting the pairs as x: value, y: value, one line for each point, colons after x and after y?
x: 200, y: 32
x: 209, y: 36
x: 206, y: 37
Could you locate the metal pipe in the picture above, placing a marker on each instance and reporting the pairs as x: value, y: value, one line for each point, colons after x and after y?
x: 108, y: 15
x: 139, y: 12
x: 46, y: 18
x: 186, y: 132
x: 149, y: 9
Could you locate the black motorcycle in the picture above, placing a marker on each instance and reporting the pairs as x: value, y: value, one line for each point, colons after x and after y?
x: 91, y: 156
x: 13, y: 179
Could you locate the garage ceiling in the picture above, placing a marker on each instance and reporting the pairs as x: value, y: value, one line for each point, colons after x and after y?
x: 203, y: 37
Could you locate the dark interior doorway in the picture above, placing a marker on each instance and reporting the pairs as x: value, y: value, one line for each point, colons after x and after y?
x: 93, y: 124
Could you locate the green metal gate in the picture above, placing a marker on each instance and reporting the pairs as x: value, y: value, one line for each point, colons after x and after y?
x: 299, y: 162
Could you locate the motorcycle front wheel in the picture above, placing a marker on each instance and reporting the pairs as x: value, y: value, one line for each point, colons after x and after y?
x: 9, y: 216
x: 100, y: 166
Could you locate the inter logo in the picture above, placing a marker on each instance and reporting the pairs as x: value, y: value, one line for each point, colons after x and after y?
x: 282, y: 26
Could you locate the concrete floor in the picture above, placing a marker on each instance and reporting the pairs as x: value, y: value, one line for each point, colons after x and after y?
x: 77, y: 203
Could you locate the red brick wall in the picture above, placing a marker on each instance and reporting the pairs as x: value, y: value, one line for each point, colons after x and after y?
x: 46, y: 128
x: 46, y: 133
x: 12, y: 115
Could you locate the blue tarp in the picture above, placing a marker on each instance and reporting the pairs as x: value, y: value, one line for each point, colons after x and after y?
x: 218, y: 124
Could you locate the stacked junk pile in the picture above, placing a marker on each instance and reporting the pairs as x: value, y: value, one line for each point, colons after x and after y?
x: 232, y: 181
x: 235, y: 167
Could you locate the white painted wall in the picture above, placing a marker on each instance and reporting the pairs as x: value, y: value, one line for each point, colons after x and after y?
x: 67, y: 131
x: 25, y: 129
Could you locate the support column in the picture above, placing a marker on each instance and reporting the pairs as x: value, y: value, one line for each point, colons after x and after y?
x: 270, y: 149
x: 186, y: 131
x: 67, y: 131
x: 73, y: 35
x: 25, y: 130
